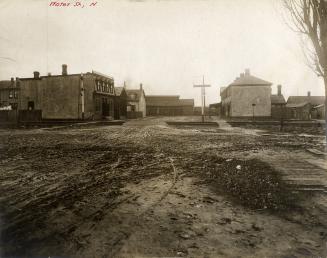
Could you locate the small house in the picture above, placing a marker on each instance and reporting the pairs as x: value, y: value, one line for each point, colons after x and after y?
x: 136, y: 103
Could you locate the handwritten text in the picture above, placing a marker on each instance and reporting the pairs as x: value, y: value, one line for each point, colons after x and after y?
x: 79, y: 4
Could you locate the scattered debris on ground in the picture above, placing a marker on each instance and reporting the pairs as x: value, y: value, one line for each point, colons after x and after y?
x: 64, y: 190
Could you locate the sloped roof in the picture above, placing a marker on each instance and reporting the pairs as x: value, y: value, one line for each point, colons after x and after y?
x: 136, y: 92
x: 186, y: 102
x: 277, y: 99
x: 215, y: 105
x: 162, y: 97
x: 249, y: 80
x: 119, y: 90
x: 320, y: 106
x: 296, y: 105
x: 101, y: 74
x: 5, y: 84
x: 313, y: 100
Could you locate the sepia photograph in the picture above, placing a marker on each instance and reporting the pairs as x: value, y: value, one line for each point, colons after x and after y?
x: 163, y: 128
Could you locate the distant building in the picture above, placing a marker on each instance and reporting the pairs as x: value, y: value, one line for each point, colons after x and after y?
x: 9, y: 94
x: 303, y: 107
x: 66, y: 96
x: 247, y: 96
x: 278, y: 104
x: 168, y: 105
x: 215, y: 109
x: 136, y: 103
x: 319, y: 112
x: 120, y: 103
x: 197, y: 111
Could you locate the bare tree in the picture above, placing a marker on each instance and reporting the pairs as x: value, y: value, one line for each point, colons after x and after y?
x: 309, y: 18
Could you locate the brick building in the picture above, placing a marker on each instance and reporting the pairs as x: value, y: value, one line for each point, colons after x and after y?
x: 67, y: 96
x: 278, y: 104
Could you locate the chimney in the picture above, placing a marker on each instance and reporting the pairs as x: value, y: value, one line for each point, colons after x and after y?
x: 247, y: 72
x: 17, y: 82
x: 309, y: 93
x: 12, y: 81
x: 36, y: 75
x: 64, y: 69
x: 49, y: 74
x: 141, y: 86
x: 279, y: 90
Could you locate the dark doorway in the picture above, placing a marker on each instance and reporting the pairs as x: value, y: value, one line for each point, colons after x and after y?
x: 105, y: 107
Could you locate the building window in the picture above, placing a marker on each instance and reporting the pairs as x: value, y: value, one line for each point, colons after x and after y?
x: 30, y: 105
x: 15, y: 94
x: 14, y: 106
x: 98, y: 86
x: 11, y: 94
x: 103, y: 87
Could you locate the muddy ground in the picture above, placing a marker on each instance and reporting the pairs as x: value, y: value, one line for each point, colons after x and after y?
x: 146, y: 189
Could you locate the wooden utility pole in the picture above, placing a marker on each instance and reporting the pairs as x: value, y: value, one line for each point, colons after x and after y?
x: 82, y: 95
x: 203, y: 95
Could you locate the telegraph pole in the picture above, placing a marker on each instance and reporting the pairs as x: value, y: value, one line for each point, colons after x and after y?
x: 203, y: 95
x: 82, y: 95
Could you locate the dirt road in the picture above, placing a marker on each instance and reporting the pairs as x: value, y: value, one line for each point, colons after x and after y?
x: 146, y: 189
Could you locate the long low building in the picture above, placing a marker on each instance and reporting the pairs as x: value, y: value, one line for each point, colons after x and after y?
x: 168, y: 105
x: 305, y: 107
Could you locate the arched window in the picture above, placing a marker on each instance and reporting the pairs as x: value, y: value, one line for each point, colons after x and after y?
x: 103, y: 86
x: 98, y: 85
x: 111, y: 87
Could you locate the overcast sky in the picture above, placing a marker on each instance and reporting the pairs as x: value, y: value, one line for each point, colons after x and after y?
x: 167, y: 45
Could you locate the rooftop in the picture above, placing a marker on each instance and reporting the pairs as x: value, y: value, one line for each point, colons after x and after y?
x: 313, y: 100
x: 247, y: 79
x: 134, y: 94
x: 168, y: 100
x: 6, y: 84
x: 295, y: 105
x: 119, y: 90
x: 277, y: 99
